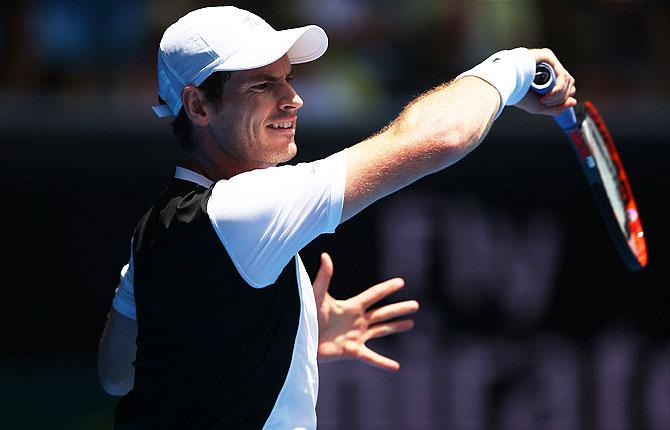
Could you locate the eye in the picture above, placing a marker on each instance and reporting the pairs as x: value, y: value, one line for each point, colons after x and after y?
x: 262, y: 86
x: 290, y: 78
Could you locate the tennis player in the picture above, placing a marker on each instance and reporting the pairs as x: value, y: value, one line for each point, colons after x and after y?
x: 215, y: 310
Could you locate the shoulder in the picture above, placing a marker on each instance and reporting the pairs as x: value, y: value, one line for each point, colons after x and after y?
x: 283, y: 179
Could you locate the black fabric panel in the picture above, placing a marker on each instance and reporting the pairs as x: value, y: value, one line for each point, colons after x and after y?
x: 212, y: 352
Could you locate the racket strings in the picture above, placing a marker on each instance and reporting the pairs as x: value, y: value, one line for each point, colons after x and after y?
x: 607, y: 171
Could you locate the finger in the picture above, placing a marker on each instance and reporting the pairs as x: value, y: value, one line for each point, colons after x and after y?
x: 570, y: 102
x: 377, y: 292
x: 381, y: 330
x: 323, y: 277
x: 368, y: 356
x: 547, y: 55
x: 394, y: 310
x: 560, y: 92
x: 564, y: 81
x: 563, y: 90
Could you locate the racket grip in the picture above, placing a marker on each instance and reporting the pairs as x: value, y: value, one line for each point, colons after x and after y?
x: 544, y: 81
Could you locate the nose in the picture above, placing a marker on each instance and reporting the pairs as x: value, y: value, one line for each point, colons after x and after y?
x: 290, y: 100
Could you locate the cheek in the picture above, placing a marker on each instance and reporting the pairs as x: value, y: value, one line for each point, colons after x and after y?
x: 253, y: 120
x: 249, y: 115
x: 239, y: 125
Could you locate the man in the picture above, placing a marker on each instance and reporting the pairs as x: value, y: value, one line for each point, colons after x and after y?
x: 223, y: 313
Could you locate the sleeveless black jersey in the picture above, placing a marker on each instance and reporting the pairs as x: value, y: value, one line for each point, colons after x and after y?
x: 212, y: 351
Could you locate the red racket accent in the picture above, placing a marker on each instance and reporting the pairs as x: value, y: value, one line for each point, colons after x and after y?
x: 580, y: 146
x: 635, y: 239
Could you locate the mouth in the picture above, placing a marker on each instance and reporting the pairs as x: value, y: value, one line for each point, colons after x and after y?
x: 283, y: 125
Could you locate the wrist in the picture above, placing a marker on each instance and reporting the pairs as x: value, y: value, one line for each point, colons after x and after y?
x: 510, y: 72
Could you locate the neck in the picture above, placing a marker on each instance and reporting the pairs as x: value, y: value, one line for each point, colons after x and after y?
x: 207, y: 166
x: 214, y: 164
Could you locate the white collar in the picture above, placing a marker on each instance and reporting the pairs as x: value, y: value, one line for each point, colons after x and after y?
x: 190, y: 175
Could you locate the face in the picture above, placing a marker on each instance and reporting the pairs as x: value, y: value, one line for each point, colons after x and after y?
x: 256, y: 122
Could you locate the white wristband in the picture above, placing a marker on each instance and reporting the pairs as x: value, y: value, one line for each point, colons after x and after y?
x: 510, y: 72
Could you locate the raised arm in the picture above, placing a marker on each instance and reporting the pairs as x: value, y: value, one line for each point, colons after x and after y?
x: 443, y: 125
x: 434, y: 131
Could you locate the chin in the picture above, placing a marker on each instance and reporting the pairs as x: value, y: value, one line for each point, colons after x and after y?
x: 292, y: 150
x: 281, y: 150
x: 289, y: 150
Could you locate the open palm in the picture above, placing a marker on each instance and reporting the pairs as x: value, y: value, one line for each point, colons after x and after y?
x: 346, y: 325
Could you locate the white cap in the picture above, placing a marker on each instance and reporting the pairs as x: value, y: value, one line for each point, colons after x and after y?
x: 225, y: 38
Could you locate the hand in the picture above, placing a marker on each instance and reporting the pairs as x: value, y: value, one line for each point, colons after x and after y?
x: 345, y: 325
x: 561, y: 96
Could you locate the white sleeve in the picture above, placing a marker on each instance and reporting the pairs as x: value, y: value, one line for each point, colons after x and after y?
x: 264, y: 217
x: 124, y: 296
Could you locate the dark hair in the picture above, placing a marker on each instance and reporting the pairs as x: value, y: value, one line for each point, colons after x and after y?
x: 213, y: 89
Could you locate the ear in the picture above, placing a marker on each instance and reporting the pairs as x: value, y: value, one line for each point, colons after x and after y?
x: 195, y: 105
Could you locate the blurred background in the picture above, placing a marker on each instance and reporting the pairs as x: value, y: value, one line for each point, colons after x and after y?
x: 529, y: 318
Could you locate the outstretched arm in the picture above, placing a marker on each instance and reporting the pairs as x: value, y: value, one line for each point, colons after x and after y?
x: 443, y: 125
x: 346, y: 325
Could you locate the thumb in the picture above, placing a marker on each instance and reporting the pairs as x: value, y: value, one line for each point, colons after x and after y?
x: 323, y: 277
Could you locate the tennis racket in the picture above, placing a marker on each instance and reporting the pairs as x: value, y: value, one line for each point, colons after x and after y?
x: 601, y: 163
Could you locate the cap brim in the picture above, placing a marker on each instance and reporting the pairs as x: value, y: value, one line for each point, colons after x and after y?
x: 301, y: 44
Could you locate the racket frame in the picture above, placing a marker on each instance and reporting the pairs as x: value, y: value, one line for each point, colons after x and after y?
x: 630, y: 243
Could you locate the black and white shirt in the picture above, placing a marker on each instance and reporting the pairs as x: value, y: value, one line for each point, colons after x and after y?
x: 262, y: 218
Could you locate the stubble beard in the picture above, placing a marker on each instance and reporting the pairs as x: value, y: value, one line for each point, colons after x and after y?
x: 238, y: 148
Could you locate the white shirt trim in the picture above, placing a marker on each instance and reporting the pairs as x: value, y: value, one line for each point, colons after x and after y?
x: 190, y: 175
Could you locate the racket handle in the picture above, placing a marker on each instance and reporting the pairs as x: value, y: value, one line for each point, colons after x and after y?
x: 544, y: 81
